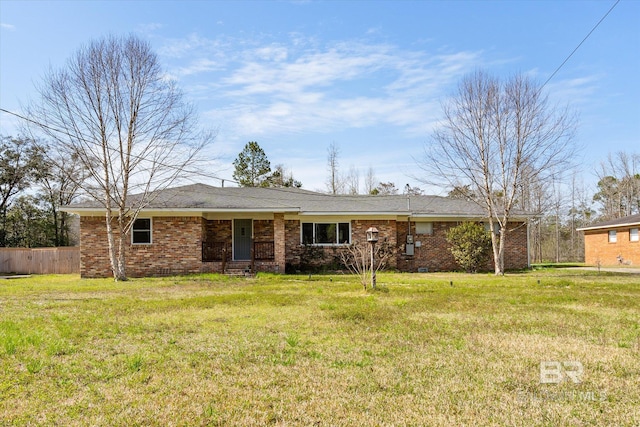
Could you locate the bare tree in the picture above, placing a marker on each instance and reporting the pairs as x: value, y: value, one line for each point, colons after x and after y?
x: 385, y: 189
x: 496, y: 136
x: 282, y: 177
x: 352, y: 181
x: 114, y: 109
x: 335, y: 183
x: 619, y: 185
x: 412, y: 191
x: 370, y: 181
x: 357, y: 258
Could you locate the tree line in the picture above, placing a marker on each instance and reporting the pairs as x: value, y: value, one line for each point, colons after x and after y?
x: 252, y: 168
x: 109, y: 124
x: 32, y: 190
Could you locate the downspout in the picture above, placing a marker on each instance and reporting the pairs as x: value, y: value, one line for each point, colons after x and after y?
x: 528, y: 246
x: 409, y: 215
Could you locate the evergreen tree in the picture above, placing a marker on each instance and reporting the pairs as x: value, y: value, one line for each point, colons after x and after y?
x: 252, y: 168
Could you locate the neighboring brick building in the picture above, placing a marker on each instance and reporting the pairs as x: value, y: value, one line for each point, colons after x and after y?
x: 200, y: 228
x: 613, y: 242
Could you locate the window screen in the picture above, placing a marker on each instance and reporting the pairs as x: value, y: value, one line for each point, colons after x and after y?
x: 141, y: 231
x: 326, y: 233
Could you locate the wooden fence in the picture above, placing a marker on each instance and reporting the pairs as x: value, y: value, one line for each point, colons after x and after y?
x: 40, y: 260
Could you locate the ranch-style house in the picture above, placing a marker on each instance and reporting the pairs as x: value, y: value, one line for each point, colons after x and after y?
x: 200, y: 228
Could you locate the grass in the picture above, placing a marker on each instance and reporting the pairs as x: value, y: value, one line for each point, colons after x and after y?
x: 427, y: 349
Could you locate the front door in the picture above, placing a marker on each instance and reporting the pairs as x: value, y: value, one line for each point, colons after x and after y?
x: 242, y: 239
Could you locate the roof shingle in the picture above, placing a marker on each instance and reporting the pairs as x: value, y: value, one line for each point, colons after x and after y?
x: 208, y: 198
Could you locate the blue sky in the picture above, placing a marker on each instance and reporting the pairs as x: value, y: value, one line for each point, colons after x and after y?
x: 368, y: 76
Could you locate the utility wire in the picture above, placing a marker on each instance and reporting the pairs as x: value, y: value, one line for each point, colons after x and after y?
x: 60, y: 131
x: 580, y: 44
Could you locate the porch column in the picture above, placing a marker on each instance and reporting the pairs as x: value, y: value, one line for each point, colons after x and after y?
x: 279, y: 241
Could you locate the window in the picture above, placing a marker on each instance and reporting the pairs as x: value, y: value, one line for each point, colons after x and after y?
x: 424, y: 228
x: 326, y: 233
x: 496, y: 228
x: 613, y: 237
x: 141, y: 231
x: 633, y: 235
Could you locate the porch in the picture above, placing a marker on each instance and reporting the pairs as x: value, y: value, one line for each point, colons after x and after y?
x: 243, y: 245
x: 217, y: 257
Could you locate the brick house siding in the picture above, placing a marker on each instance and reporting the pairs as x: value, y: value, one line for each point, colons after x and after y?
x: 218, y: 230
x: 431, y: 251
x: 516, y: 253
x: 171, y: 236
x: 599, y: 251
x: 195, y: 228
x: 94, y: 252
x: 176, y: 246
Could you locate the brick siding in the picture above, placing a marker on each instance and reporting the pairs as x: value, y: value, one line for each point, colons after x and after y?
x: 432, y: 252
x: 218, y: 230
x: 170, y: 236
x: 262, y: 230
x: 598, y: 250
x: 177, y: 246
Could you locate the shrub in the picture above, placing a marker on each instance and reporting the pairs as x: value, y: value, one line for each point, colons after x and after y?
x: 470, y: 245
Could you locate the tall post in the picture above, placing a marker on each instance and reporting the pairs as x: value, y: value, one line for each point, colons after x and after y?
x: 372, y: 238
x: 373, y: 270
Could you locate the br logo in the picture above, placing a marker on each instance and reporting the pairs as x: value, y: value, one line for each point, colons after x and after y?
x: 554, y: 372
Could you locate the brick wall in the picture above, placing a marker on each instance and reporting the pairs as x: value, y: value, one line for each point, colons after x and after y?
x: 298, y: 255
x: 170, y: 236
x: 262, y: 230
x: 94, y: 248
x: 177, y: 246
x: 292, y: 248
x: 218, y: 230
x: 516, y: 255
x: 278, y: 234
x: 433, y: 250
x: 387, y: 232
x: 598, y: 250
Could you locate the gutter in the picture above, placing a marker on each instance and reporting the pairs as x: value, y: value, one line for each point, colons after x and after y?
x: 605, y: 227
x: 80, y: 210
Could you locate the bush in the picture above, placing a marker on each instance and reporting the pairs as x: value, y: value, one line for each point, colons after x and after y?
x: 470, y: 245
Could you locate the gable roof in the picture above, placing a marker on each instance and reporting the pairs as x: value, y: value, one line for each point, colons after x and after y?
x: 627, y: 221
x: 206, y: 198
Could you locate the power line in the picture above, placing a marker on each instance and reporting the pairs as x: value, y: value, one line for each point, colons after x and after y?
x: 63, y: 132
x: 579, y: 44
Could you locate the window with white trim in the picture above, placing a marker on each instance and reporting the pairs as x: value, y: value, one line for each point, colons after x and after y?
x: 613, y: 236
x: 326, y: 233
x: 141, y: 231
x: 424, y: 228
x: 633, y: 235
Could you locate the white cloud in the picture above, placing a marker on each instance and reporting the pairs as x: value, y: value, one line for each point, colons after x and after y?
x: 197, y: 66
x: 149, y: 27
x: 9, y: 27
x: 579, y: 90
x: 298, y: 86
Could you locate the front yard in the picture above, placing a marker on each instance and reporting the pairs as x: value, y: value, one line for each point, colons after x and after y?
x: 427, y: 349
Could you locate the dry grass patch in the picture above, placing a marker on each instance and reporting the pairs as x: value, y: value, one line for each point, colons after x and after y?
x: 294, y: 350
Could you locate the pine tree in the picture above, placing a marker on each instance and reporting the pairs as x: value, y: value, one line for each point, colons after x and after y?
x: 252, y: 168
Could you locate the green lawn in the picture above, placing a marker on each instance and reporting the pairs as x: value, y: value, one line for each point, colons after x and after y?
x: 426, y: 349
